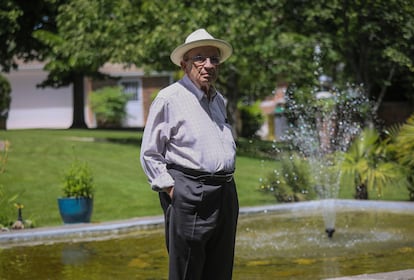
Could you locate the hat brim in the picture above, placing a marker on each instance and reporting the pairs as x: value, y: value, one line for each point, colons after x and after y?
x: 225, y: 49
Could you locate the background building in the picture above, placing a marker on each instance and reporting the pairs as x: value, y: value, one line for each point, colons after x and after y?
x: 34, y: 107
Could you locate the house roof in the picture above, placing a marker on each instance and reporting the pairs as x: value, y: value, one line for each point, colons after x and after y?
x: 118, y: 69
x: 111, y: 69
x: 269, y: 105
x: 29, y: 65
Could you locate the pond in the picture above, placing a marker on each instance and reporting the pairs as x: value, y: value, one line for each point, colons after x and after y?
x: 284, y: 244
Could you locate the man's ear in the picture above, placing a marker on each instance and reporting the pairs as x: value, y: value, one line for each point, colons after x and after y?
x: 183, y: 65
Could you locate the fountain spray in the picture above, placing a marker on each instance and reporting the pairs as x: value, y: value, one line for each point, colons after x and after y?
x: 322, y: 130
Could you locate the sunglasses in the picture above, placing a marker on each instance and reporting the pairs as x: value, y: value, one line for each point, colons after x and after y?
x: 201, y: 60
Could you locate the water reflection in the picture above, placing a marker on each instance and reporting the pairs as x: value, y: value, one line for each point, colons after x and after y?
x: 78, y: 253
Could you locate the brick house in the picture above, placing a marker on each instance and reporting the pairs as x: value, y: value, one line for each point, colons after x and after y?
x: 33, y: 107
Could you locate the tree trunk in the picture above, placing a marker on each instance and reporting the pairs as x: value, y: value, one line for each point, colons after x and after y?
x: 78, y: 120
x: 232, y: 95
x: 384, y: 89
x: 3, y: 122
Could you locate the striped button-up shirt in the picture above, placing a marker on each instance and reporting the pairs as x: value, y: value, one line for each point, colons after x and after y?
x: 187, y: 129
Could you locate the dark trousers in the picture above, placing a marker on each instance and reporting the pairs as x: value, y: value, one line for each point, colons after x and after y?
x: 200, y: 228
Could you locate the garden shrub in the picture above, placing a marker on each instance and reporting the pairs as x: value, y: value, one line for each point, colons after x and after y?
x: 251, y: 119
x: 7, y: 210
x: 5, y: 99
x: 403, y: 148
x: 292, y: 182
x: 108, y: 104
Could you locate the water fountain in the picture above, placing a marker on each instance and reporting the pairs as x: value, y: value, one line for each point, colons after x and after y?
x: 274, y: 242
x: 321, y: 131
x: 290, y: 245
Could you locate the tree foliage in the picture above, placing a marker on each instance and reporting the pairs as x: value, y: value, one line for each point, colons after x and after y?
x: 360, y: 42
x: 89, y: 34
x: 367, y: 43
x: 19, y: 19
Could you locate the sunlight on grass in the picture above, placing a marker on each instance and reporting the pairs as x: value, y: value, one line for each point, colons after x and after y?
x: 38, y: 160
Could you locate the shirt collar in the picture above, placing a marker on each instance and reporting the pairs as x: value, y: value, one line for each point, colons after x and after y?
x: 186, y: 82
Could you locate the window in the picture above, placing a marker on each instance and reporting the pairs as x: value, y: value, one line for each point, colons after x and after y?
x: 132, y: 88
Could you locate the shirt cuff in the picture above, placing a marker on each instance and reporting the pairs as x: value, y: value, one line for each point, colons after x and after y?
x: 161, y: 182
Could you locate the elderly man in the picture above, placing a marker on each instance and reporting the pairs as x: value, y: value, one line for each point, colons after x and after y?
x: 188, y: 153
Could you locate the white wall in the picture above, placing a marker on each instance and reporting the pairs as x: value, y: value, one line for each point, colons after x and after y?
x: 33, y: 107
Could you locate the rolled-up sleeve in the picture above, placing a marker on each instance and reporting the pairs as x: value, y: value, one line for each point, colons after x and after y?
x: 153, y: 147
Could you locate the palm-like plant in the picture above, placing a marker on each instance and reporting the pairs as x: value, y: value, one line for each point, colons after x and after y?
x: 405, y: 143
x: 366, y: 161
x: 403, y: 148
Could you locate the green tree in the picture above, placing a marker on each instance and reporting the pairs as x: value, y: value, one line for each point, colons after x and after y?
x: 361, y: 42
x: 89, y: 34
x: 19, y: 19
x: 368, y: 42
x: 249, y: 26
x: 365, y: 42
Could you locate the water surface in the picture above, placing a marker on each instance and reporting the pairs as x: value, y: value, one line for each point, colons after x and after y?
x: 288, y: 244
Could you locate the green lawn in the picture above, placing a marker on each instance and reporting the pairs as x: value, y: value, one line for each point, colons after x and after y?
x: 37, y: 160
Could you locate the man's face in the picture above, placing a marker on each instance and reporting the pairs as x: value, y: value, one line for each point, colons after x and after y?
x: 201, y: 65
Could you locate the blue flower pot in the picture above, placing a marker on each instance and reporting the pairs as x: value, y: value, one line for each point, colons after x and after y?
x: 75, y: 210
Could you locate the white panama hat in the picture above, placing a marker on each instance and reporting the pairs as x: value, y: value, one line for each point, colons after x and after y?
x: 201, y: 38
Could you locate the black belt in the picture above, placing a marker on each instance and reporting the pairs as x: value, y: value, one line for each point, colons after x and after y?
x: 224, y: 176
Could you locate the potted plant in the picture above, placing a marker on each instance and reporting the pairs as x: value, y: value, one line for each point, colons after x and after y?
x: 77, y: 203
